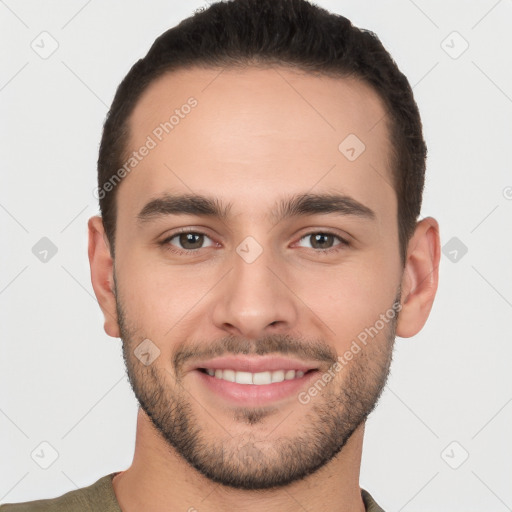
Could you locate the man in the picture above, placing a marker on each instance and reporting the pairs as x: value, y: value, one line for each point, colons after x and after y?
x: 260, y: 180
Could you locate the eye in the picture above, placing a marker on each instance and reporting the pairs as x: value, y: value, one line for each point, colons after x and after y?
x: 188, y: 241
x: 324, y: 241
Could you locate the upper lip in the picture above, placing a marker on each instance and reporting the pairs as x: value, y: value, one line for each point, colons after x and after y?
x: 255, y: 364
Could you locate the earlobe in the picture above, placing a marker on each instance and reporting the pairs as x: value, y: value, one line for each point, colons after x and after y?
x: 420, y: 278
x: 102, y: 275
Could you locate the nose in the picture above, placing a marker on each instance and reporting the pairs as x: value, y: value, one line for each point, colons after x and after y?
x: 255, y: 300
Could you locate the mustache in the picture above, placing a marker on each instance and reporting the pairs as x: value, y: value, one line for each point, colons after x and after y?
x: 282, y: 344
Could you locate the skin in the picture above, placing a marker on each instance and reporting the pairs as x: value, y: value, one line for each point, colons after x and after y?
x: 257, y: 136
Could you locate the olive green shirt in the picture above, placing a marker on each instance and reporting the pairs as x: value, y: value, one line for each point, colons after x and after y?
x: 100, y: 497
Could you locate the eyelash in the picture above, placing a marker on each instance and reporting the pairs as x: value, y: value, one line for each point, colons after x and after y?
x: 167, y: 246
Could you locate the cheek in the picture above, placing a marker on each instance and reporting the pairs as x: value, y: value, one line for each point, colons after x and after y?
x: 158, y: 296
x: 349, y: 299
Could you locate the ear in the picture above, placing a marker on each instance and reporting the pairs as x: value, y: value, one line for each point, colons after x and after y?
x: 420, y: 278
x: 102, y: 275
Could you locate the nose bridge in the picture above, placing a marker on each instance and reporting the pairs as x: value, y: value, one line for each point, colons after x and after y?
x: 253, y: 300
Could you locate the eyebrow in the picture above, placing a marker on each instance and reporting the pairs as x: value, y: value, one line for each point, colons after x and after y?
x: 298, y: 205
x: 314, y: 204
x: 184, y: 204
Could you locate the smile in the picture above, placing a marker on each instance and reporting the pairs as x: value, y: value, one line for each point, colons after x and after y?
x: 260, y: 378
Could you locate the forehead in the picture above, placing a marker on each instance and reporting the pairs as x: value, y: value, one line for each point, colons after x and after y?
x: 257, y: 131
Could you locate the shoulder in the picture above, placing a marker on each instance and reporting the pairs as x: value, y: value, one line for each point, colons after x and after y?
x: 369, y: 503
x: 98, y: 496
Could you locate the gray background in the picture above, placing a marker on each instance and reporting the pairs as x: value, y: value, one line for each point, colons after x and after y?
x: 62, y: 378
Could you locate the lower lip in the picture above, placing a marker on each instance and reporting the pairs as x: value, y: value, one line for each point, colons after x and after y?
x: 254, y: 394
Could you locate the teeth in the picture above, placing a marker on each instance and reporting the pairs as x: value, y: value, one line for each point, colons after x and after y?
x: 229, y: 375
x: 278, y: 376
x: 260, y: 378
x: 243, y: 377
x: 290, y: 374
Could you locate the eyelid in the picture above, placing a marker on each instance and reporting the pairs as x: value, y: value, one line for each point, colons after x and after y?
x: 188, y: 229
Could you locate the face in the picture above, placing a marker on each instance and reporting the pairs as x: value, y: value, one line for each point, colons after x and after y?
x: 255, y: 242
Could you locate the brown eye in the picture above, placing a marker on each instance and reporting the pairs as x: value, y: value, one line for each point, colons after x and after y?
x: 321, y: 241
x: 187, y: 241
x: 191, y: 240
x: 324, y: 241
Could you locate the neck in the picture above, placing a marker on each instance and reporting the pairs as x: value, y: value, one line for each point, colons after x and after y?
x: 160, y: 480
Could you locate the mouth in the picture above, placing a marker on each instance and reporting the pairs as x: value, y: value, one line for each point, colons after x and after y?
x: 254, y: 381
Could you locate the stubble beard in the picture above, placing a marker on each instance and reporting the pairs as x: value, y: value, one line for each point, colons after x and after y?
x: 245, y: 460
